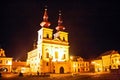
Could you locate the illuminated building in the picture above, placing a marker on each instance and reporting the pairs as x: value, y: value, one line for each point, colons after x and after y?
x: 106, y: 61
x: 5, y: 62
x: 78, y: 64
x: 19, y: 66
x: 51, y: 54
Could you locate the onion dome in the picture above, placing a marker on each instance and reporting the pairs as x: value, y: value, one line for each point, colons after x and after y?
x: 60, y: 27
x: 45, y: 22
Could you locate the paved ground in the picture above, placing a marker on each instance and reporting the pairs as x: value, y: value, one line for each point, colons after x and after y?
x: 86, y: 76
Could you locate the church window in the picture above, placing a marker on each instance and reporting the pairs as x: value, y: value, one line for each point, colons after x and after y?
x: 41, y: 57
x: 40, y: 36
x: 56, y: 55
x: 47, y: 55
x: 47, y: 35
x: 64, y: 56
x: 63, y: 38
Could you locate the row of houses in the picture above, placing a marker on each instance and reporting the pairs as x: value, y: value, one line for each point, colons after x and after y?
x: 106, y: 62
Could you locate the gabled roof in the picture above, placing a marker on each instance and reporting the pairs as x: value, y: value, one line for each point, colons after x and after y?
x: 109, y: 53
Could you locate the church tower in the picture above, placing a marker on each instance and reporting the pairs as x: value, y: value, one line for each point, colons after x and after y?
x: 45, y: 32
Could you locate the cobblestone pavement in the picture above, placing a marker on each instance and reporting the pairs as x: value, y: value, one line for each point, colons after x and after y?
x: 67, y: 77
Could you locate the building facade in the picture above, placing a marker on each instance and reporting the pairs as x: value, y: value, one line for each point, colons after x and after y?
x: 52, y: 52
x: 109, y: 60
x: 5, y: 62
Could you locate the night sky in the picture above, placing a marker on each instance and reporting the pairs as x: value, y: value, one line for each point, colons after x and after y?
x: 93, y: 25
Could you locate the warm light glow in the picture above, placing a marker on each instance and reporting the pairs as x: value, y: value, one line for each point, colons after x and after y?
x: 10, y: 62
x: 71, y: 57
x: 93, y: 62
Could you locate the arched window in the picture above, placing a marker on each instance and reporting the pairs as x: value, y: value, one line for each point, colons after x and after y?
x: 47, y: 55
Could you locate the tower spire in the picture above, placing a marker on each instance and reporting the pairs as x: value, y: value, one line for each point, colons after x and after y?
x: 45, y: 22
x: 60, y: 27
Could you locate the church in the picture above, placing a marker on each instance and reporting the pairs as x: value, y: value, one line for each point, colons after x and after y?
x: 51, y: 54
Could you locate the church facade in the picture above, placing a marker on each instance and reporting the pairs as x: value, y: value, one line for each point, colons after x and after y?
x: 52, y: 52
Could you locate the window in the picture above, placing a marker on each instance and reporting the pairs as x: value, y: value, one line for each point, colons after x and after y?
x: 112, y: 61
x: 56, y: 55
x: 63, y: 38
x: 53, y: 71
x: 40, y: 36
x: 64, y: 56
x: 47, y: 35
x: 86, y: 64
x: 0, y: 61
x: 47, y: 55
x: 47, y: 64
x: 41, y: 57
x: 6, y: 61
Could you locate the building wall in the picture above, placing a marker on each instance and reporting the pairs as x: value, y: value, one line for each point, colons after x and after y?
x: 18, y: 66
x: 107, y: 62
x: 61, y: 65
x: 5, y: 62
x: 98, y: 66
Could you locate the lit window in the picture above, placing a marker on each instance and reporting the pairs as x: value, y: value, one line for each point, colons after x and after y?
x: 56, y: 55
x: 6, y: 61
x: 64, y: 56
x: 47, y: 55
x: 112, y: 61
x: 40, y: 36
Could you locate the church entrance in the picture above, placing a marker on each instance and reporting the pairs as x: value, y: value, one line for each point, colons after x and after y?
x: 61, y: 70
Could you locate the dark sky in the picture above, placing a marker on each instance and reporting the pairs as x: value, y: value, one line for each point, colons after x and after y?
x: 93, y: 25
